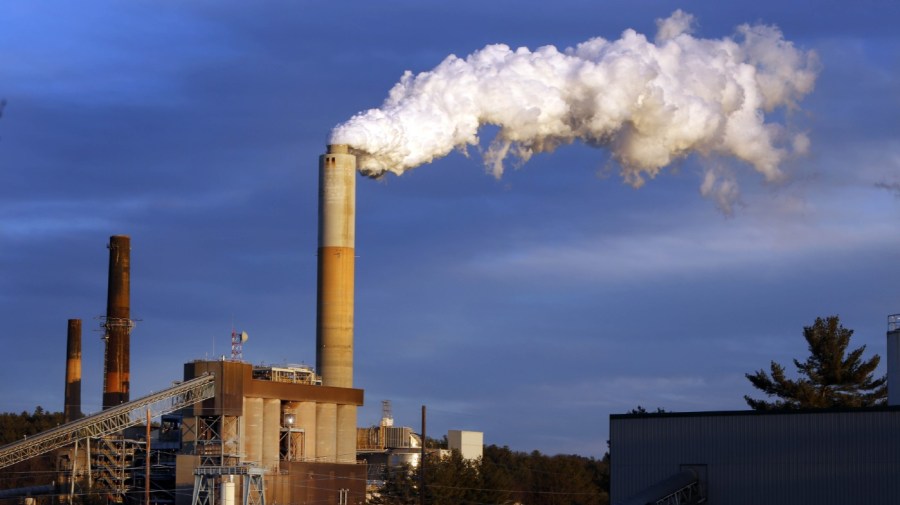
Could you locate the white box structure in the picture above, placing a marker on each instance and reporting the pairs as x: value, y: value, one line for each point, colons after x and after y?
x: 470, y: 444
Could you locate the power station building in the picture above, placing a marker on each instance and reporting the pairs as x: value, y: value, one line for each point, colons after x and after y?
x: 296, y: 427
x: 228, y: 429
x: 277, y: 420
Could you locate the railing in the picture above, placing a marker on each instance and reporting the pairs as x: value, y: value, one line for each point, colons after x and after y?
x: 111, y: 420
x: 687, y: 495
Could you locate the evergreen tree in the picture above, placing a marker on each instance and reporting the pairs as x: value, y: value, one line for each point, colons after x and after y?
x: 452, y: 480
x: 38, y: 470
x: 400, y: 487
x: 830, y: 377
x: 501, y: 477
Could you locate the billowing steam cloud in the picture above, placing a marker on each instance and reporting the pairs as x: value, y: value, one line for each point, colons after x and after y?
x: 648, y: 103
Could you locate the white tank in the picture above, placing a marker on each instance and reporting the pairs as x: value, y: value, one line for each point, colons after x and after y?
x: 227, y: 492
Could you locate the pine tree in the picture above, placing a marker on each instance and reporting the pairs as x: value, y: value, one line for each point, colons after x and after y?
x: 400, y: 487
x: 830, y: 377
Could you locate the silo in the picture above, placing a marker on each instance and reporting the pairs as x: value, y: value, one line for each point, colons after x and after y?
x: 306, y: 420
x: 271, y: 433
x: 326, y: 432
x: 252, y: 429
x: 346, y: 433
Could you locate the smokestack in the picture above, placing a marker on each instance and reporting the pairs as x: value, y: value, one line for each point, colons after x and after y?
x: 337, y: 229
x: 893, y: 359
x: 72, y: 401
x: 118, y: 323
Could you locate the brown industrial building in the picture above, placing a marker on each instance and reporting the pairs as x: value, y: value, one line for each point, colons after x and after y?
x: 282, y: 423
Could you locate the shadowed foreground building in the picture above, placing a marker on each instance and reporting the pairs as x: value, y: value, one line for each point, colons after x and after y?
x: 746, y: 457
x: 835, y: 456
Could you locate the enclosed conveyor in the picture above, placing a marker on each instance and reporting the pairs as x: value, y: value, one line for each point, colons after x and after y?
x: 109, y: 421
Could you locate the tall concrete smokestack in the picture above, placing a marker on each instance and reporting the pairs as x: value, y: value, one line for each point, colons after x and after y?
x: 116, y: 363
x: 337, y: 235
x: 72, y: 400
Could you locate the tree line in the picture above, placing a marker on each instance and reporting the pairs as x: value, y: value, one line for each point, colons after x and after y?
x: 36, y: 471
x: 501, y: 475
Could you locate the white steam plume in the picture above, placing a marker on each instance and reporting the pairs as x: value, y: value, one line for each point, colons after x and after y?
x: 648, y: 103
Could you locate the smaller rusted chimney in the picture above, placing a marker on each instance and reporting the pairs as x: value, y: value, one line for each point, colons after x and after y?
x: 72, y: 400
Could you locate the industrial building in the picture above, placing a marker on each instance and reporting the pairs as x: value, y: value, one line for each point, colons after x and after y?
x: 300, y: 434
x: 387, y: 448
x: 227, y: 429
x: 470, y: 444
x: 838, y: 457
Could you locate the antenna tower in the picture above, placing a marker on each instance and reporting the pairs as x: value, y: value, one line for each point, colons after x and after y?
x: 237, y: 344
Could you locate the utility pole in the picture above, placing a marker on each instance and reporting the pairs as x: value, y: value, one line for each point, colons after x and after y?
x: 422, y: 463
x: 74, y: 465
x: 147, y: 464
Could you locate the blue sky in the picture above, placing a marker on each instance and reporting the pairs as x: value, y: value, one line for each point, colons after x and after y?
x: 529, y: 307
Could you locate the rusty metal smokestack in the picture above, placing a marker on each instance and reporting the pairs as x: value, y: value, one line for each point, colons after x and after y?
x: 72, y: 399
x: 337, y: 235
x: 116, y: 362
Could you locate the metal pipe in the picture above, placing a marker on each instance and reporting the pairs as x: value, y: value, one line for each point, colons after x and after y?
x: 147, y: 464
x: 72, y: 478
x: 116, y: 380
x: 72, y: 399
x: 336, y: 263
x: 28, y: 491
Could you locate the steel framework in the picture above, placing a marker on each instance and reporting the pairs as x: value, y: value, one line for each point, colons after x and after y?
x: 111, y: 420
x: 205, y: 483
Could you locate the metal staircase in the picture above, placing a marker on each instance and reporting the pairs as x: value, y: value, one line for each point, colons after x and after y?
x: 114, y: 456
x: 112, y: 420
x: 683, y: 488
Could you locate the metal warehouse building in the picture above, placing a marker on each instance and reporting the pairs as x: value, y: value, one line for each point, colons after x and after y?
x: 748, y: 457
x: 835, y: 456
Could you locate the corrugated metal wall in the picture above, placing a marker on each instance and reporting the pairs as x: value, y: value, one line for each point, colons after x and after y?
x: 826, y: 457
